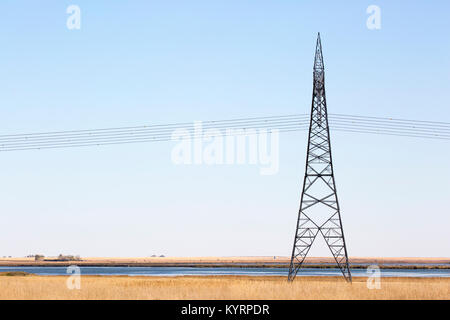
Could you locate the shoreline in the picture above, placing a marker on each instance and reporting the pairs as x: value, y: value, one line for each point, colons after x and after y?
x: 232, y: 262
x: 240, y: 266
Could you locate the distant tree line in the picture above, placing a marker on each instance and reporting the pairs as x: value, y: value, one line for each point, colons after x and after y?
x: 61, y: 257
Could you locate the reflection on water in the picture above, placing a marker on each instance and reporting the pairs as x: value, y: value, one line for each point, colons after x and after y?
x: 181, y: 271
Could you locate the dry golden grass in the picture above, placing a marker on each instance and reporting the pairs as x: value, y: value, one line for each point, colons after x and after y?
x: 220, y: 287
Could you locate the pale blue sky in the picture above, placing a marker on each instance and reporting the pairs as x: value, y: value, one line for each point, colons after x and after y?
x: 142, y: 62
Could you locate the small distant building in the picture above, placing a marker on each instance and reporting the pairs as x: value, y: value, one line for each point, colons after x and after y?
x: 39, y: 257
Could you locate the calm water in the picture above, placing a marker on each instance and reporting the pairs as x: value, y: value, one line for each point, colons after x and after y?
x: 181, y: 271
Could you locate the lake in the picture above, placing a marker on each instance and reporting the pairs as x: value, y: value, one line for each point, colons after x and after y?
x: 208, y: 271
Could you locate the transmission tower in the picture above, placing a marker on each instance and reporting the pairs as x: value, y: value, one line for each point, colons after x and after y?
x: 319, y: 207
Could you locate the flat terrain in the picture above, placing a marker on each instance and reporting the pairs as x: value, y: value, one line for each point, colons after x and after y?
x: 197, y: 261
x: 220, y: 287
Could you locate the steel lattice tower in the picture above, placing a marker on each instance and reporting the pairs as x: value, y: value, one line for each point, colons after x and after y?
x: 319, y: 197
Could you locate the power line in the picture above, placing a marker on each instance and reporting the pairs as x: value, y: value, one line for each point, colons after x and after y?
x: 168, y: 129
x: 392, y: 134
x: 137, y: 140
x: 160, y: 135
x: 243, y: 121
x: 423, y: 122
x: 164, y: 132
x: 159, y: 126
x: 335, y: 124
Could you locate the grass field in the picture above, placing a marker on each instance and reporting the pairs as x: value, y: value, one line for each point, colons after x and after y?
x: 220, y: 287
